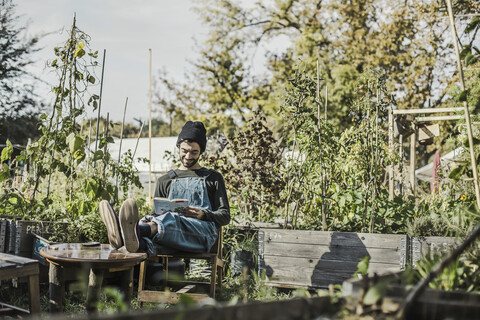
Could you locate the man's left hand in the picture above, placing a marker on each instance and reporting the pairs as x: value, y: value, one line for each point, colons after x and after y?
x: 192, y: 212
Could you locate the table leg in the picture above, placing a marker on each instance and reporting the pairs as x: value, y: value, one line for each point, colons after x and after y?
x: 95, y: 280
x: 127, y: 286
x: 56, y: 288
x: 34, y: 289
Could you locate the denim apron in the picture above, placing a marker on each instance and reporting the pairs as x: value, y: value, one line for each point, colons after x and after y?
x: 179, y: 233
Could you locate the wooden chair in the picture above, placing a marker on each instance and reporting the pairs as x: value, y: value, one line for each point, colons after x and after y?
x: 166, y: 296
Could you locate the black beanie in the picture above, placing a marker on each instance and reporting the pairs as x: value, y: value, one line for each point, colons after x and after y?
x: 194, y: 131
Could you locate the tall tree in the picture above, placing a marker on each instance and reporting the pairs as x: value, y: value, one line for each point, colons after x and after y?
x: 407, y: 41
x: 19, y: 105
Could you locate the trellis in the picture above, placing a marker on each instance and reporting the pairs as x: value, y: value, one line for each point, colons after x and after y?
x: 413, y: 137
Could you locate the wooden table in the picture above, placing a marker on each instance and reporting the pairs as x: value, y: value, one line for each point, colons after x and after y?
x: 16, y: 267
x: 97, y: 259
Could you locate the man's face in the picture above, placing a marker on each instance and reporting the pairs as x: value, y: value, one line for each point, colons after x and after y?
x: 189, y: 155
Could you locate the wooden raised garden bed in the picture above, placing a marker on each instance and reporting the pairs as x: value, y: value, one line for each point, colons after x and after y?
x: 316, y: 259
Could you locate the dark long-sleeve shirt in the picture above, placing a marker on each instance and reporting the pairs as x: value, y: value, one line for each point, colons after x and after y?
x: 217, y: 194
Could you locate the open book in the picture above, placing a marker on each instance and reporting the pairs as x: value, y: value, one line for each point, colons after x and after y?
x: 163, y: 205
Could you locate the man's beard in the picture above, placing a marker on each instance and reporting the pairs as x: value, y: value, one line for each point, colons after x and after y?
x: 189, y: 164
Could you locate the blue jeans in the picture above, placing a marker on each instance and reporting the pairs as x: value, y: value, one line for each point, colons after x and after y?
x: 178, y: 233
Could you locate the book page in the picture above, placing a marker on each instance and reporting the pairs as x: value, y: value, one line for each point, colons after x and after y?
x: 163, y: 205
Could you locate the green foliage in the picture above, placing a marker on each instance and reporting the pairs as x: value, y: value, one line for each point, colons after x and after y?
x: 58, y: 177
x: 336, y: 180
x: 362, y: 267
x: 111, y: 301
x: 430, y: 225
x: 375, y: 293
x: 20, y: 105
x: 407, y: 42
x: 461, y: 274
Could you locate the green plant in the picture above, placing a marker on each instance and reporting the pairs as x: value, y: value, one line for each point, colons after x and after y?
x: 462, y: 274
x: 430, y: 225
x: 61, y: 178
x: 111, y: 301
x: 252, y: 166
x: 336, y: 181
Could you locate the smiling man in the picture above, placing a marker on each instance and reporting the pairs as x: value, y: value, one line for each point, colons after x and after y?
x: 192, y: 230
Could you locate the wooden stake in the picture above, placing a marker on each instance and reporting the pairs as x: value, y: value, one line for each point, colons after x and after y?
x: 138, y: 138
x: 89, y: 142
x: 100, y: 101
x: 375, y: 168
x: 150, y: 128
x: 322, y: 178
x: 465, y: 104
x: 413, y: 159
x: 326, y: 100
x: 390, y: 146
x: 105, y: 149
x: 121, y: 139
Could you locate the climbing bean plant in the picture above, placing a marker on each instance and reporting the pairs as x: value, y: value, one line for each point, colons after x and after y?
x: 62, y: 178
x: 337, y: 179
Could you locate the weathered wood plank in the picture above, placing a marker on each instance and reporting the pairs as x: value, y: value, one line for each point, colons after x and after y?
x: 5, y: 265
x: 428, y: 246
x: 13, y: 267
x: 317, y: 259
x: 343, y: 253
x: 318, y: 273
x: 330, y: 238
x: 166, y: 297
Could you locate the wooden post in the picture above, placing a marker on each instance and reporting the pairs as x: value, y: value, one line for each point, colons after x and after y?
x: 413, y: 141
x: 150, y: 129
x: 390, y: 146
x: 465, y: 104
x: 56, y: 288
x: 34, y: 293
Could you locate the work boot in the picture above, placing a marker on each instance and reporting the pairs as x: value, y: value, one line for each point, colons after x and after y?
x: 110, y: 219
x: 129, y: 225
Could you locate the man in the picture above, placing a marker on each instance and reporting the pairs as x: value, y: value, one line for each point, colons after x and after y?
x: 192, y: 230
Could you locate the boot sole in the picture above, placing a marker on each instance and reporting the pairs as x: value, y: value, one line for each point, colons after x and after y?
x: 110, y: 220
x: 128, y: 225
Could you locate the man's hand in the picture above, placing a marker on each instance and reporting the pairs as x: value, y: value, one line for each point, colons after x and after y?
x: 192, y: 212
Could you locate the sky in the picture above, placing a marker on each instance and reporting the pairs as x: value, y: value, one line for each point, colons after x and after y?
x: 126, y: 29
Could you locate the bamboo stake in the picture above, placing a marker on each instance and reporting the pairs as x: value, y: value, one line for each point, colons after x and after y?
x: 121, y: 139
x: 375, y: 168
x: 105, y: 149
x: 322, y: 186
x: 89, y: 142
x: 138, y: 138
x: 150, y: 128
x: 326, y: 101
x: 465, y: 104
x: 390, y: 146
x: 100, y: 101
x: 413, y: 159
